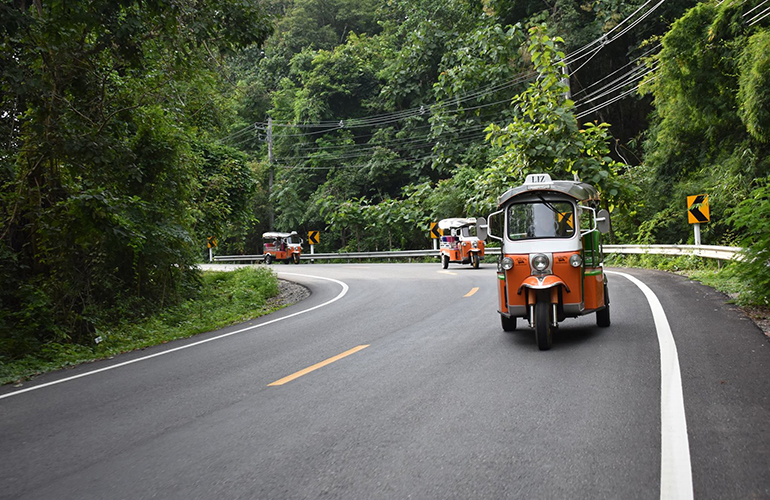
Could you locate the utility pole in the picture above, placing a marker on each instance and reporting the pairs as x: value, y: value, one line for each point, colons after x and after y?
x: 565, y: 81
x: 271, y: 212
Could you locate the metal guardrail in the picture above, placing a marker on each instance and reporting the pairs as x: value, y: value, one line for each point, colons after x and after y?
x: 707, y: 251
x: 399, y: 254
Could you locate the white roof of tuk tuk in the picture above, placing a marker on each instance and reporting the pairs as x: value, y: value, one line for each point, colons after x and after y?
x: 575, y: 189
x: 278, y: 235
x: 455, y: 223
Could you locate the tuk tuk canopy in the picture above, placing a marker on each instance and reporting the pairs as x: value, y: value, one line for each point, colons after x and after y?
x: 456, y: 223
x: 274, y: 235
x: 578, y: 190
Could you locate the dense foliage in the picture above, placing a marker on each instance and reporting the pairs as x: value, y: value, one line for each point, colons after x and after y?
x: 109, y: 176
x: 382, y: 126
x: 134, y: 130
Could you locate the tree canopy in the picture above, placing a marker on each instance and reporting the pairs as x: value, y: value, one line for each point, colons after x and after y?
x: 133, y: 130
x: 110, y: 112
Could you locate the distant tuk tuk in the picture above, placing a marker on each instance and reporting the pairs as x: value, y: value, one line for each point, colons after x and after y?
x: 285, y: 247
x: 458, y: 244
x: 550, y: 267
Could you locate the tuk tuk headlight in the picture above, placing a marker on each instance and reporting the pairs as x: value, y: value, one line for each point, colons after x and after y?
x: 507, y: 263
x: 575, y: 260
x: 540, y: 263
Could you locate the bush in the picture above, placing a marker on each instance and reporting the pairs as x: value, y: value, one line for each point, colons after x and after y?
x: 750, y: 217
x: 226, y: 298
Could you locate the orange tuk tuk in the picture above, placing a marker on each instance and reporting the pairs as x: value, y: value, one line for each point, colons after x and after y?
x: 550, y: 267
x: 458, y: 244
x: 286, y: 247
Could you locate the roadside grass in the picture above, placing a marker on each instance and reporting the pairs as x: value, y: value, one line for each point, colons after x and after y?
x: 226, y: 298
x: 711, y: 272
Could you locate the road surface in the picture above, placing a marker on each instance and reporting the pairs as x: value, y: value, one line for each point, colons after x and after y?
x: 396, y: 381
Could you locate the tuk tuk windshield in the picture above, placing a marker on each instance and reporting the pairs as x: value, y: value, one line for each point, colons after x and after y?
x: 541, y: 219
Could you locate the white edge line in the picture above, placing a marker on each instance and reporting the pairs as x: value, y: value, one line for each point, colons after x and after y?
x: 675, y: 466
x: 344, y: 291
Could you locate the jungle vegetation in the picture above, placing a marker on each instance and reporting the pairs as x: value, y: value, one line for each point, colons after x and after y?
x: 134, y: 130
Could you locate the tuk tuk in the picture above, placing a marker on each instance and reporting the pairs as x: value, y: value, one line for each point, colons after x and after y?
x: 458, y: 244
x: 550, y: 267
x: 286, y: 247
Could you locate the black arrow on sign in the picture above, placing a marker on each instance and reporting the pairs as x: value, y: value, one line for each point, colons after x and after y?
x: 695, y: 208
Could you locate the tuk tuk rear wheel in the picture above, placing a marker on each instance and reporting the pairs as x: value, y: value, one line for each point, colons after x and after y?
x: 268, y: 259
x: 475, y: 260
x: 603, y: 317
x: 509, y: 323
x: 543, y: 331
x: 444, y: 261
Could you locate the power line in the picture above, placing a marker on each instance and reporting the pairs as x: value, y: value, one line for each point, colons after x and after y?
x: 632, y: 77
x: 418, y: 144
x: 388, y: 118
x: 453, y: 106
x: 597, y: 82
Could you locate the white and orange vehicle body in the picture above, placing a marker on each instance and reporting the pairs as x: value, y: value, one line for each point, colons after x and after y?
x: 285, y: 247
x: 458, y: 244
x: 550, y: 267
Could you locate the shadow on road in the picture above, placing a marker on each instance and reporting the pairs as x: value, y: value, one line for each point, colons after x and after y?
x: 563, y: 337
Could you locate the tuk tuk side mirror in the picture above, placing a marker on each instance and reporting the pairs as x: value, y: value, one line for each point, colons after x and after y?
x: 603, y: 221
x: 481, y: 228
x: 486, y: 231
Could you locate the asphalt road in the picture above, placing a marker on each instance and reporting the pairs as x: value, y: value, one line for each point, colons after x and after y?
x: 437, y: 402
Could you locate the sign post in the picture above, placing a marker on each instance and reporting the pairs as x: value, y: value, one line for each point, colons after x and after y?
x: 313, y: 237
x: 697, y: 213
x: 435, y: 234
x: 211, y: 242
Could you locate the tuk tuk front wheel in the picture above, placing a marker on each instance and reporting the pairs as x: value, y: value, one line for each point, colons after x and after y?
x: 509, y: 323
x: 543, y: 330
x: 444, y: 261
x: 296, y: 258
x: 268, y: 259
x: 475, y: 260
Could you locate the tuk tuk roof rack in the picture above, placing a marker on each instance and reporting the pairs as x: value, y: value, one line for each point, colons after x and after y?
x: 575, y: 189
x: 278, y: 235
x: 455, y: 223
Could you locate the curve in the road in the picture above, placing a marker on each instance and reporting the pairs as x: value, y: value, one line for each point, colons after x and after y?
x: 342, y: 293
x: 675, y: 467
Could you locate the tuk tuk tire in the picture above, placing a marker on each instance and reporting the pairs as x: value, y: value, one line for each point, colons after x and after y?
x: 543, y: 331
x: 509, y: 323
x: 444, y: 261
x: 268, y: 259
x: 603, y: 315
x: 295, y: 257
x: 475, y: 260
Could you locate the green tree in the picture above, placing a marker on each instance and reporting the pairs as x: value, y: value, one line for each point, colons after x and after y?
x: 99, y: 101
x: 544, y: 135
x: 709, y: 128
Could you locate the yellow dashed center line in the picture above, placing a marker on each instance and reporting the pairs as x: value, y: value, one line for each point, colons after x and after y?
x: 473, y: 290
x: 316, y: 366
